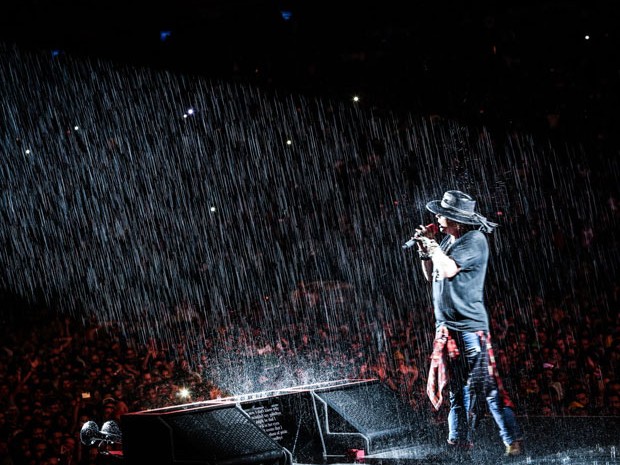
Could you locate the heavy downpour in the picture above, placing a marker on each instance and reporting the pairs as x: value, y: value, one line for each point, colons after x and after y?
x: 177, y: 238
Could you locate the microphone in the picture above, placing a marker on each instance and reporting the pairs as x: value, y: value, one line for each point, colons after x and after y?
x: 429, y: 228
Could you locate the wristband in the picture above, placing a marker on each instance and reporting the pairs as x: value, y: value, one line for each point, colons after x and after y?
x: 430, y: 246
x: 423, y: 255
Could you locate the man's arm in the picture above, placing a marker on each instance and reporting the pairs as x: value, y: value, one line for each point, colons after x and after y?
x: 425, y: 259
x: 445, y: 266
x: 427, y: 269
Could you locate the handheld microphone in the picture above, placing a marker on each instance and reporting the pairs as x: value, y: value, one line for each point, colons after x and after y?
x: 432, y: 228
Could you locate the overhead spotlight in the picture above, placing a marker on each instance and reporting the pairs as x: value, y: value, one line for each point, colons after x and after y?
x: 356, y: 98
x: 286, y: 14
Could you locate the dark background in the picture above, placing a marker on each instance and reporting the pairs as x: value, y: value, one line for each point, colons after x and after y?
x: 510, y: 65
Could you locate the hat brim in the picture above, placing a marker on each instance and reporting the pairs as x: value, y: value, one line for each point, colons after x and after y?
x: 435, y: 207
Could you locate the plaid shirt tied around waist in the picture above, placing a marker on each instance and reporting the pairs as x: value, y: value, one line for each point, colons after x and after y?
x: 445, y: 348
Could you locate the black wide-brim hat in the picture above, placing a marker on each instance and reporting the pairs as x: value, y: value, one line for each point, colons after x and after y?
x: 460, y: 207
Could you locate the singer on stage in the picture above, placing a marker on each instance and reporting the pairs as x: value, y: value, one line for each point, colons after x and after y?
x: 462, y: 356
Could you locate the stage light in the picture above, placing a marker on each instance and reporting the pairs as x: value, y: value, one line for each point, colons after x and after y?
x: 212, y: 209
x: 108, y: 441
x: 110, y: 434
x: 356, y: 98
x: 164, y: 35
x: 184, y: 393
x: 286, y: 14
x: 112, y: 431
x: 289, y: 142
x: 587, y: 37
x: 89, y: 434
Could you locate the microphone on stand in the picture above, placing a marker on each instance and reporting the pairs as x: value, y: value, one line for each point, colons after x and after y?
x: 428, y: 228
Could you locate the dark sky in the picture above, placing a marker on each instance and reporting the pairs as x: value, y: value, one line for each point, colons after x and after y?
x: 513, y: 64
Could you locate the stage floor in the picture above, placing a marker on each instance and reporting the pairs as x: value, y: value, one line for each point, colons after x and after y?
x: 561, y: 441
x: 421, y: 455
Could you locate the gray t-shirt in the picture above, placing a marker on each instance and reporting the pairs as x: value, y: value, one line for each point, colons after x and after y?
x: 459, y: 301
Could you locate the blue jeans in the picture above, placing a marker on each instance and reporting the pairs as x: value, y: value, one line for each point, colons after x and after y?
x: 469, y: 381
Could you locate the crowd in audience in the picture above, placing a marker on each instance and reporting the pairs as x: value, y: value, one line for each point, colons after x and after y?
x: 566, y: 361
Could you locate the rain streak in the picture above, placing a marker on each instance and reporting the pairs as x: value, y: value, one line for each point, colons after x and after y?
x: 259, y: 233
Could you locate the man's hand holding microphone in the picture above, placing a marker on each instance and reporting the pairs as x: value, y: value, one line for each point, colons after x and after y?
x: 424, y: 238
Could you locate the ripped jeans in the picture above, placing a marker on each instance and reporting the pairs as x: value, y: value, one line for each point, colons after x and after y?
x: 470, y: 381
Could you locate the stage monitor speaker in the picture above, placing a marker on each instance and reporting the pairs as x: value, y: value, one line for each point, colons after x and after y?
x: 215, y: 436
x: 290, y: 420
x: 367, y: 416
